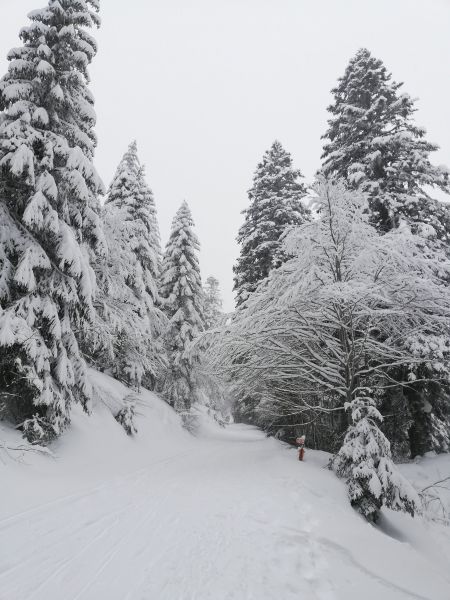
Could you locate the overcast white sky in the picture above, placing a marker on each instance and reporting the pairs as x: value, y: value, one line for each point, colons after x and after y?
x: 205, y: 86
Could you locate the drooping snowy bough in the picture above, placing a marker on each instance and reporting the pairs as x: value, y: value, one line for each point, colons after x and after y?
x: 322, y: 333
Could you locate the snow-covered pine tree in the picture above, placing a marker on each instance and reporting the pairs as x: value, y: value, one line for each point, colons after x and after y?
x: 148, y: 248
x: 373, y: 143
x: 128, y: 279
x: 130, y: 194
x: 275, y: 205
x: 49, y: 217
x: 123, y: 186
x: 182, y: 294
x: 365, y: 461
x: 212, y: 303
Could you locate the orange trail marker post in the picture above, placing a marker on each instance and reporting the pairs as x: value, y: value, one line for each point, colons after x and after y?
x: 300, y: 441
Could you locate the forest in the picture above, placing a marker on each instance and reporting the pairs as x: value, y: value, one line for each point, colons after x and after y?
x: 341, y: 330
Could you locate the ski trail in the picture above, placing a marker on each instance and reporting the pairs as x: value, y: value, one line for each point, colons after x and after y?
x: 53, y: 532
x: 61, y: 565
x: 124, y: 480
x: 230, y: 518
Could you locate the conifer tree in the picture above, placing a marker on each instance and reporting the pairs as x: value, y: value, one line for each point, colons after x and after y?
x: 212, y: 303
x: 365, y: 461
x: 49, y: 217
x: 183, y: 301
x: 123, y: 186
x: 275, y: 205
x: 373, y: 143
x: 128, y: 299
x: 149, y: 248
x: 130, y: 195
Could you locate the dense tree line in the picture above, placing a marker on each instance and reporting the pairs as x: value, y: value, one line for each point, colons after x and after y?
x: 82, y: 282
x: 344, y: 334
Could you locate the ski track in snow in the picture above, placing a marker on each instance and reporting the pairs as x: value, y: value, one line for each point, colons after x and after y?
x: 227, y: 519
x: 198, y: 525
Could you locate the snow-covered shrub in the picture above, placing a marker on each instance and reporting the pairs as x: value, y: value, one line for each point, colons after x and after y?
x: 190, y: 421
x: 39, y: 431
x: 126, y: 416
x: 435, y: 500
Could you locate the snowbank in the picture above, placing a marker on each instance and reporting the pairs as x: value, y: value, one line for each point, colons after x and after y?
x: 93, y: 450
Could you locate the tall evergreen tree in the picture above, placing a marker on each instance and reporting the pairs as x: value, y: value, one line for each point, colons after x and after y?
x: 275, y: 205
x: 128, y: 300
x: 373, y: 143
x: 149, y: 253
x: 183, y: 300
x: 130, y: 194
x: 49, y: 217
x: 212, y: 302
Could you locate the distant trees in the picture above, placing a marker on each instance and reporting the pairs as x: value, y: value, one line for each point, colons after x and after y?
x: 275, y: 204
x: 49, y: 218
x: 212, y: 303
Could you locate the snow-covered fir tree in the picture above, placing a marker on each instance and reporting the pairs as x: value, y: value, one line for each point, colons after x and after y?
x: 182, y: 293
x: 275, y: 205
x: 131, y: 200
x: 150, y: 255
x: 365, y: 461
x: 212, y: 303
x: 122, y: 189
x: 49, y: 217
x: 373, y: 142
x: 128, y: 302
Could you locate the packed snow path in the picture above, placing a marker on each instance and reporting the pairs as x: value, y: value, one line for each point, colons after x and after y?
x: 233, y: 516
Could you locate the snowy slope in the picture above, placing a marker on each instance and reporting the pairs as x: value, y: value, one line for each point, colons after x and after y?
x: 229, y: 515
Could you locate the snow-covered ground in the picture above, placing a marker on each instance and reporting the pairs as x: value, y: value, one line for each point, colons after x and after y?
x: 226, y: 515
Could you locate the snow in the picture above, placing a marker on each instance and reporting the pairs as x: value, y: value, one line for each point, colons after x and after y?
x: 226, y: 515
